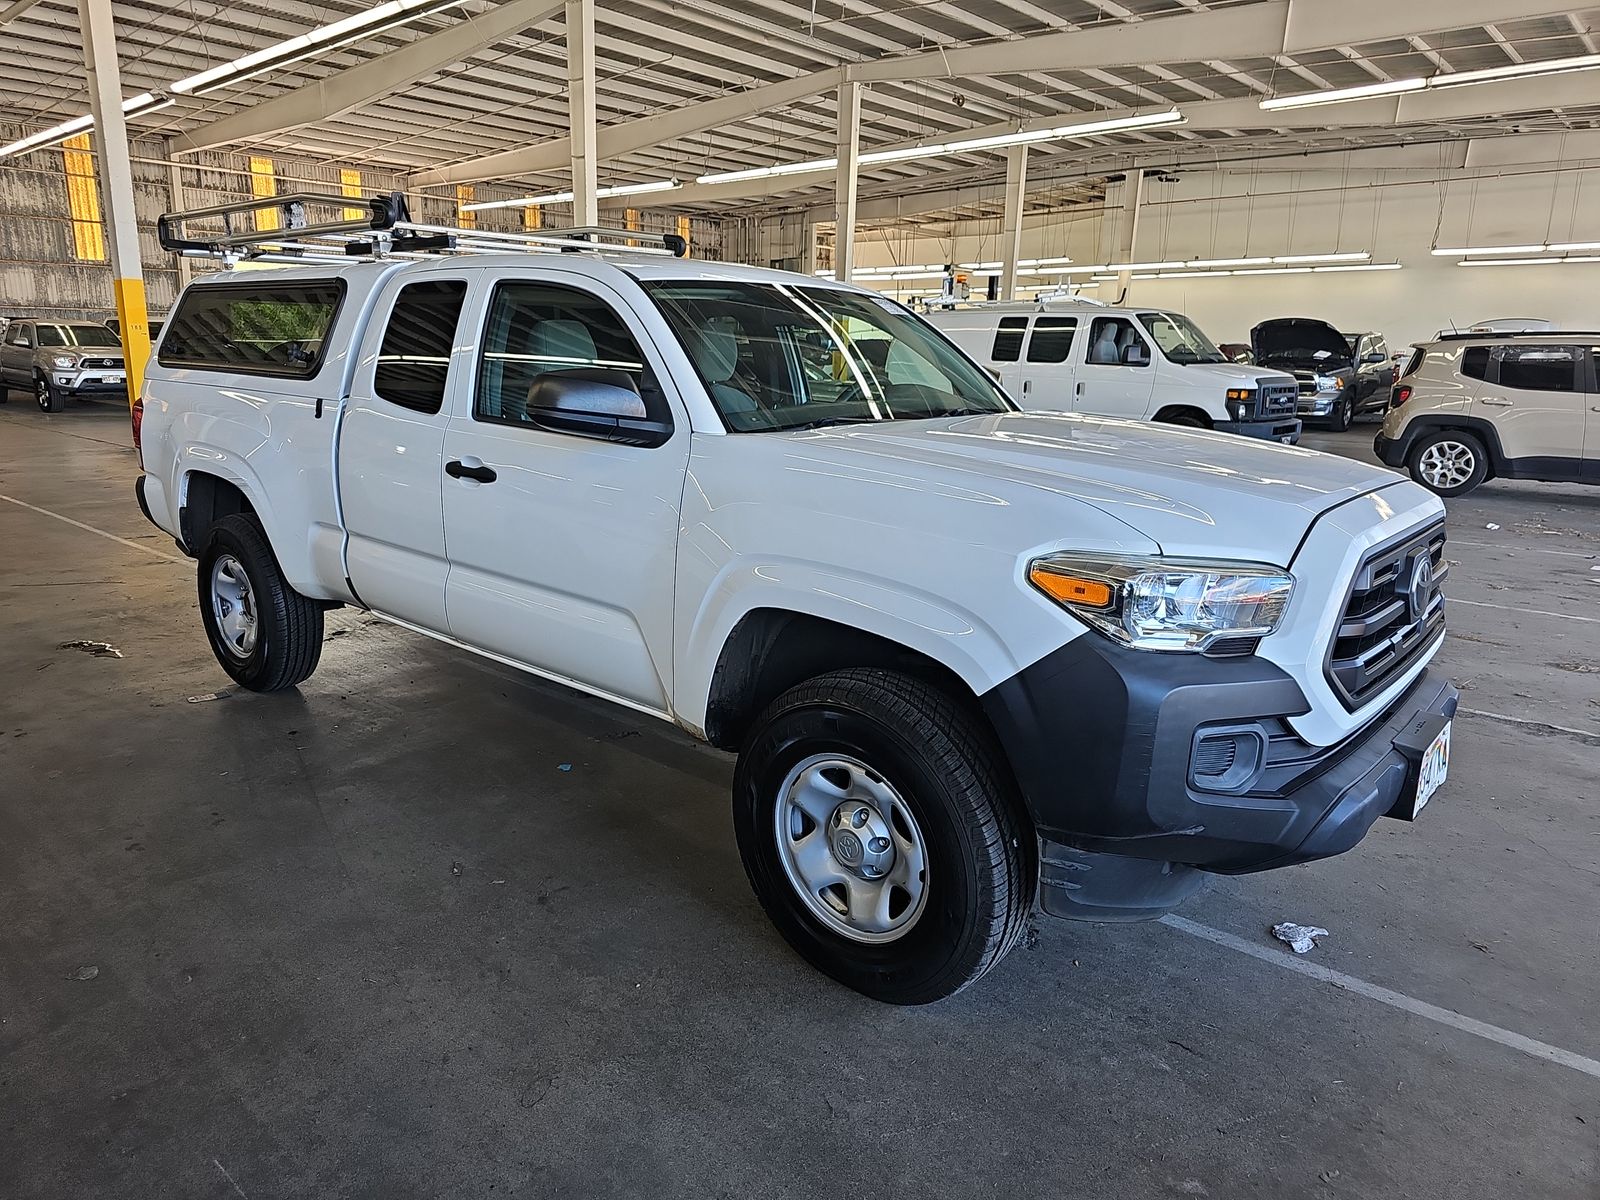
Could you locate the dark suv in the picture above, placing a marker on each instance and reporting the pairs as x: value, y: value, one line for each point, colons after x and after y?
x: 1341, y: 375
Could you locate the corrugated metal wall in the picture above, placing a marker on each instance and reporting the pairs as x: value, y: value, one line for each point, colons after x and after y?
x: 39, y: 275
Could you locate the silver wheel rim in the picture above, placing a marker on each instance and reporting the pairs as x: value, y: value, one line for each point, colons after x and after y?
x: 41, y: 393
x: 233, y: 604
x: 1447, y: 464
x: 851, y: 848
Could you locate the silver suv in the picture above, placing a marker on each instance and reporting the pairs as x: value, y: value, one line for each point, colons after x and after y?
x: 1471, y: 407
x: 57, y: 359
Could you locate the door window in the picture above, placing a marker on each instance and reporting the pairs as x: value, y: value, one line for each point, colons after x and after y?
x: 1008, y: 339
x: 537, y: 329
x: 1538, y: 368
x: 1110, y: 341
x: 414, y: 360
x: 1052, y: 339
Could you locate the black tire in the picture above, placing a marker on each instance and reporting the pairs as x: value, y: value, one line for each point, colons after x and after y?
x: 288, y: 626
x: 1452, y: 444
x: 1342, y: 416
x: 1187, y: 420
x: 46, y: 395
x: 979, y: 847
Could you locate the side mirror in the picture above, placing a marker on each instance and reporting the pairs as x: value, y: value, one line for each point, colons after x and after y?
x: 1374, y: 357
x: 1137, y: 354
x: 594, y: 402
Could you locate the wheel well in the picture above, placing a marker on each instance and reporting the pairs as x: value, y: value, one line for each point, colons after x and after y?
x: 1173, y: 411
x: 208, y: 499
x: 772, y: 650
x: 1480, y: 431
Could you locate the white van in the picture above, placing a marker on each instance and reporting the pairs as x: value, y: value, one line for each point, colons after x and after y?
x: 1144, y: 363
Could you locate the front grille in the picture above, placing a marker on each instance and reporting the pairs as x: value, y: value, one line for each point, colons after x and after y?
x: 1395, y: 611
x: 1276, y: 399
x: 1306, y: 382
x: 102, y: 364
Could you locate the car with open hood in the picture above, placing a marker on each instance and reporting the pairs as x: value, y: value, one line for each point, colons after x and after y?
x: 1340, y: 375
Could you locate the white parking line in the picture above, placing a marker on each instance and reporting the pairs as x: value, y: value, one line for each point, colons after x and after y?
x: 91, y: 529
x: 1537, y: 612
x: 1523, y: 549
x: 1360, y: 987
x: 1494, y: 716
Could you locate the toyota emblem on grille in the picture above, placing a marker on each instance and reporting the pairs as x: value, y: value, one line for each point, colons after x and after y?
x: 1420, y: 594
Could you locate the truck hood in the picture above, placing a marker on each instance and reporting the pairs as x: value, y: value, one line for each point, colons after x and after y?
x: 1299, y: 340
x: 1193, y: 492
x: 1233, y: 374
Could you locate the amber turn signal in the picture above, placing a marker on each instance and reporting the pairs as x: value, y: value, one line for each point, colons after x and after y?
x: 1071, y: 589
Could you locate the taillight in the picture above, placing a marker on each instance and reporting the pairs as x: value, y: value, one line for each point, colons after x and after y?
x: 138, y: 428
x: 1400, y: 395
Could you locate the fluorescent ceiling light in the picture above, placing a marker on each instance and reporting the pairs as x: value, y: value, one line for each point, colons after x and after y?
x: 1455, y: 251
x: 1564, y: 246
x: 1388, y: 87
x: 605, y: 193
x: 1348, y: 256
x: 1507, y: 262
x: 1554, y: 66
x: 957, y: 146
x: 144, y: 102
x: 1192, y: 274
x: 1228, y: 262
x: 1275, y: 271
x: 320, y: 40
x: 984, y: 266
x: 1149, y: 266
x: 280, y: 54
x: 1394, y: 266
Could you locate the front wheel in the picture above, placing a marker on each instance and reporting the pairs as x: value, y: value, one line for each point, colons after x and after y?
x: 1449, y: 462
x: 1343, y: 415
x: 882, y: 834
x: 46, y: 395
x: 266, y: 635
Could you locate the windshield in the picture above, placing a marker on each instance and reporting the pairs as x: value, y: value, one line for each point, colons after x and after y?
x: 782, y: 356
x: 1180, y: 339
x: 78, y: 335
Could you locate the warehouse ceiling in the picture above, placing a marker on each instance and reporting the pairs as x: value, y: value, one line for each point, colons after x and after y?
x: 659, y: 60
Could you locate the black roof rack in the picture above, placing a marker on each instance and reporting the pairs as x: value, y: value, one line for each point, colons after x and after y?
x: 1548, y: 335
x: 384, y: 230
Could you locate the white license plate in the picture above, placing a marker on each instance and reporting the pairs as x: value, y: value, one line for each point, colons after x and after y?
x: 1431, y: 774
x: 113, y: 379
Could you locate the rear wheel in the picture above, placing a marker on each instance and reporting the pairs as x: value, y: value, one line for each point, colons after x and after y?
x: 882, y: 834
x: 46, y: 396
x: 1449, y: 462
x: 266, y: 635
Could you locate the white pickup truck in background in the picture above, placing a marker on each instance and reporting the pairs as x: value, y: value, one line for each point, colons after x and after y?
x: 970, y: 658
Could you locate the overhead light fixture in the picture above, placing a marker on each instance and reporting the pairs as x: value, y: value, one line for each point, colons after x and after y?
x: 1394, y: 266
x: 1146, y: 266
x: 958, y: 146
x: 1347, y: 256
x: 1273, y: 271
x: 1389, y: 87
x: 1553, y: 66
x: 144, y: 102
x: 1456, y: 251
x: 605, y: 193
x: 1228, y: 262
x: 1541, y: 260
x: 320, y: 40
x: 1560, y: 247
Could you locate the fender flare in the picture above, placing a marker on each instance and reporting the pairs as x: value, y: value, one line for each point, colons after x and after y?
x: 1481, y: 429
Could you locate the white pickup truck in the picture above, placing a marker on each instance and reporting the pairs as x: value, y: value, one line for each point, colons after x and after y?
x: 971, y: 659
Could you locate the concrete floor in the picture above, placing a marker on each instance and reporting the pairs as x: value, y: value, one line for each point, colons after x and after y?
x: 372, y: 939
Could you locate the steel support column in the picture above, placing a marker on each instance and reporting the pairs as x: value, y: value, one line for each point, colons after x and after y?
x: 849, y: 155
x: 1128, y: 227
x: 580, y: 111
x: 1011, y: 223
x: 116, y: 186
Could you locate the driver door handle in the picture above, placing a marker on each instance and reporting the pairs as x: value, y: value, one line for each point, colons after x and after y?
x: 1027, y: 386
x: 1497, y: 401
x: 458, y: 469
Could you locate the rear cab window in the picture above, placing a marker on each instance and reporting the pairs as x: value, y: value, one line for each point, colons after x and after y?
x: 267, y: 328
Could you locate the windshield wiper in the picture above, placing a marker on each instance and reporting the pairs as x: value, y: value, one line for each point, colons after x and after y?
x: 825, y: 422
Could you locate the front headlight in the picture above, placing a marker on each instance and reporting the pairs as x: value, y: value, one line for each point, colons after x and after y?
x: 1166, y: 604
x: 65, y: 361
x: 1330, y: 383
x: 1241, y: 402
